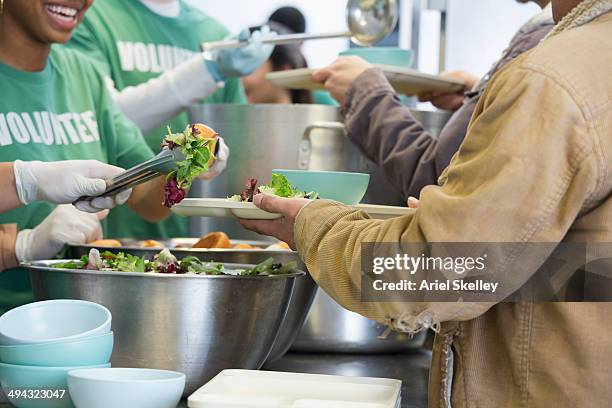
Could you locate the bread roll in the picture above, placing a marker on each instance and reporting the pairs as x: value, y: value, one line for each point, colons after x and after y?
x: 279, y: 246
x: 151, y: 243
x: 244, y: 246
x: 107, y: 243
x: 215, y: 239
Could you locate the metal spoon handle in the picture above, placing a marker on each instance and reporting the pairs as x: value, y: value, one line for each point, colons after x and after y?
x: 278, y: 40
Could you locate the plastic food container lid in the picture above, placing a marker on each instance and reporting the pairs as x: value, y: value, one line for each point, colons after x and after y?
x: 269, y: 389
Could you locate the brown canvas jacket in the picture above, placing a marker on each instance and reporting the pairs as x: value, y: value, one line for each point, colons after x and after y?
x: 535, y: 167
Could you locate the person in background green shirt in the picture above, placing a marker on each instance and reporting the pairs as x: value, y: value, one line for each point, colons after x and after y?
x: 55, y: 106
x: 150, y: 52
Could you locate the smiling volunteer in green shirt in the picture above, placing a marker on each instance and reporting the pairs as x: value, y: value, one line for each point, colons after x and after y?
x: 55, y: 106
x: 150, y: 51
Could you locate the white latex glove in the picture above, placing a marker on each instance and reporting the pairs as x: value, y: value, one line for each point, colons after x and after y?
x: 220, y: 162
x: 65, y: 225
x: 63, y: 182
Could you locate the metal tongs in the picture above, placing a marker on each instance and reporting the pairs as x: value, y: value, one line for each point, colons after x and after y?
x: 163, y: 163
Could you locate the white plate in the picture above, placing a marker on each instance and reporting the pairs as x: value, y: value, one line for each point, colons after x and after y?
x: 404, y: 80
x: 221, y: 208
x: 295, y: 79
x: 269, y: 389
x: 224, y: 208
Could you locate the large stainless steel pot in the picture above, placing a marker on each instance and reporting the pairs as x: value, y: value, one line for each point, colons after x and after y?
x: 198, y: 325
x: 264, y: 137
x: 302, y: 294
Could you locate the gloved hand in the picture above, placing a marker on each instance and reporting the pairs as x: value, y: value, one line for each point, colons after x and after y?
x: 238, y: 62
x: 221, y: 157
x: 65, y: 225
x: 63, y: 182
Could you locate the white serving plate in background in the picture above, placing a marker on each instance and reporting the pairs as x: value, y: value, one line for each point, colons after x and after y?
x: 404, y: 80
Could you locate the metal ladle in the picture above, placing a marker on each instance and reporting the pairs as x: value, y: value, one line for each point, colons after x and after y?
x: 368, y: 21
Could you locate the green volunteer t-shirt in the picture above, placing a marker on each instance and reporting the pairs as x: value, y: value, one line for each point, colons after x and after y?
x: 133, y: 45
x: 63, y: 112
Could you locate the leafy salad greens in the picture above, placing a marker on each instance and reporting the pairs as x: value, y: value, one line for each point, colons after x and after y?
x: 279, y: 186
x: 165, y: 262
x: 196, y: 142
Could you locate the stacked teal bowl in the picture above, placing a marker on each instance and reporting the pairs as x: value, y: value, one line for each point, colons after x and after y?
x: 41, y: 342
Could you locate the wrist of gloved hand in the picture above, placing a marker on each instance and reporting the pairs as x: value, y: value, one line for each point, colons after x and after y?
x: 26, y: 181
x: 22, y: 245
x: 238, y: 62
x: 65, y: 225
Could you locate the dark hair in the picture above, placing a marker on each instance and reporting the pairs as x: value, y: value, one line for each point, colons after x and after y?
x: 288, y: 56
x: 291, y: 18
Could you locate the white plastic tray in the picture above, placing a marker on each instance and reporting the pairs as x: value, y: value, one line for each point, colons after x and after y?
x: 269, y: 389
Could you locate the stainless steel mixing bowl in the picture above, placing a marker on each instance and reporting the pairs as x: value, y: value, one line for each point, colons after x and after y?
x: 302, y: 295
x: 198, y: 325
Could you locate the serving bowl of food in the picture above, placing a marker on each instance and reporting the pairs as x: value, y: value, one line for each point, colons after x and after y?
x: 382, y: 55
x: 187, y: 315
x: 218, y: 246
x: 345, y: 187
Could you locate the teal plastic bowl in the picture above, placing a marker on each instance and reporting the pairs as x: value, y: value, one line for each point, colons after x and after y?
x: 347, y: 188
x: 14, y: 378
x: 53, y: 320
x: 75, y: 352
x: 125, y: 387
x: 383, y: 55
